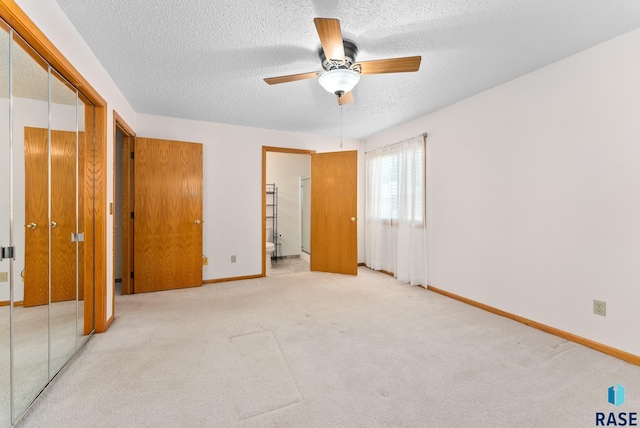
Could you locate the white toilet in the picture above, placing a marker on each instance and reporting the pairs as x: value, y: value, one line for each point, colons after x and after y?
x: 271, y: 247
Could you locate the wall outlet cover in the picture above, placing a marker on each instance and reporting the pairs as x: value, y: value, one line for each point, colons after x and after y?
x: 600, y: 307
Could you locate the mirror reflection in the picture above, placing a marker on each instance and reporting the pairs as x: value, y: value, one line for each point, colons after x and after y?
x: 63, y: 220
x: 42, y: 210
x: 5, y: 226
x: 83, y: 327
x: 30, y: 321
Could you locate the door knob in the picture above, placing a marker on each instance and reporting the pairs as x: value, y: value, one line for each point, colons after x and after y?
x: 54, y: 225
x: 353, y: 219
x: 32, y: 226
x: 197, y: 221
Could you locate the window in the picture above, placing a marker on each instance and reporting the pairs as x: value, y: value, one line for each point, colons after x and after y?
x: 395, y: 230
x: 397, y: 175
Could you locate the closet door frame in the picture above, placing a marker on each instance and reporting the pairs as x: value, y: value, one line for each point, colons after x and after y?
x: 95, y: 189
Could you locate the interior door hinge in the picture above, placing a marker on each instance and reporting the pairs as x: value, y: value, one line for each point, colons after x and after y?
x: 131, y: 214
x: 131, y: 275
x: 132, y: 155
x: 7, y: 253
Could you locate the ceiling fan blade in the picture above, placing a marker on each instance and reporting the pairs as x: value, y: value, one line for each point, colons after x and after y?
x: 346, y: 98
x: 391, y: 65
x: 330, y: 38
x: 290, y: 78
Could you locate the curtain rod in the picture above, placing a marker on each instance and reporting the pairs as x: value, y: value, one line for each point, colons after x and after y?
x: 423, y: 135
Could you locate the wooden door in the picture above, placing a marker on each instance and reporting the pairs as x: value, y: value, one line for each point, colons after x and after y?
x: 61, y: 225
x: 63, y: 216
x: 167, y: 215
x: 334, y: 226
x: 127, y: 208
x: 36, y: 234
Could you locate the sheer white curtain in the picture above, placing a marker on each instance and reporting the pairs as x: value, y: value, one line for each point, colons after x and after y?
x: 395, y: 228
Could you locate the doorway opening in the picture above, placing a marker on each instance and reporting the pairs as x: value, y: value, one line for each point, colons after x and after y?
x: 162, y: 189
x: 284, y: 225
x: 333, y: 223
x: 122, y: 226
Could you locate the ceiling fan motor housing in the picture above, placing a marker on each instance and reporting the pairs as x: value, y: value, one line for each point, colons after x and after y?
x: 350, y: 53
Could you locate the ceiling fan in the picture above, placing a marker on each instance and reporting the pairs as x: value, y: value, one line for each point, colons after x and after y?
x: 338, y: 58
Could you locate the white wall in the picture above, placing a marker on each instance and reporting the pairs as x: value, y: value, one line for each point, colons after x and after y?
x: 286, y: 170
x: 233, y: 185
x: 534, y: 194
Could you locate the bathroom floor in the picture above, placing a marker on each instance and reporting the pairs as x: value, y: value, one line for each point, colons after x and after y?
x: 288, y: 266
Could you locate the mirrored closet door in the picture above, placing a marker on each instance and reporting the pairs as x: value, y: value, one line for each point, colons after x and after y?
x: 5, y: 230
x: 43, y: 187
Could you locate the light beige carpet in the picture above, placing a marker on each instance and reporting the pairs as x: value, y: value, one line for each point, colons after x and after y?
x: 323, y: 350
x: 287, y: 266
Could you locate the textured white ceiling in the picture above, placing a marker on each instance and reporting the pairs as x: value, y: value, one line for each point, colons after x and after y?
x: 205, y: 59
x: 30, y: 75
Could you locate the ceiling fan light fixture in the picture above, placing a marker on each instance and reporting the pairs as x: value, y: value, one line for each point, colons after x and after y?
x: 339, y: 81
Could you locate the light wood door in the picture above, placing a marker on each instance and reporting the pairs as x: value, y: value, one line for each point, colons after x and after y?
x: 36, y: 255
x: 64, y: 178
x: 63, y: 217
x: 334, y: 226
x: 167, y: 215
x: 127, y: 208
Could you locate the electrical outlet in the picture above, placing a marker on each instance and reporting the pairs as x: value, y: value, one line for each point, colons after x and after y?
x: 4, y: 276
x: 600, y: 307
x: 233, y: 259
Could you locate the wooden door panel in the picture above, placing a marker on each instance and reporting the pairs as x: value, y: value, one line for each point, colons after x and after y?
x: 36, y: 263
x: 334, y: 229
x: 63, y: 216
x: 127, y: 209
x: 81, y: 206
x: 168, y: 213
